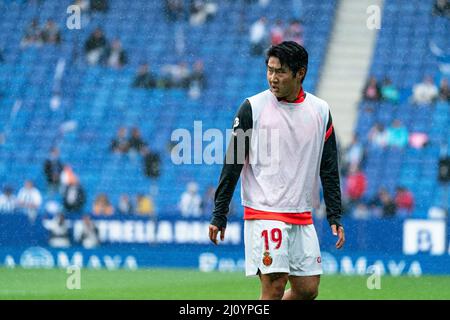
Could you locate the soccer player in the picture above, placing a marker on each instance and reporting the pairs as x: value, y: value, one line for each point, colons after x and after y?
x: 283, y: 141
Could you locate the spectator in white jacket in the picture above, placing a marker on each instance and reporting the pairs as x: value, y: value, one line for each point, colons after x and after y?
x: 29, y: 199
x: 190, y: 203
x: 59, y: 231
x: 258, y: 36
x: 425, y: 92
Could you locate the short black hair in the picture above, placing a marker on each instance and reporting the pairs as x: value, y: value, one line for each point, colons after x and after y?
x: 289, y: 53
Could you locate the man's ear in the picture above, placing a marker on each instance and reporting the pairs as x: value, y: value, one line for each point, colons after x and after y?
x: 301, y: 73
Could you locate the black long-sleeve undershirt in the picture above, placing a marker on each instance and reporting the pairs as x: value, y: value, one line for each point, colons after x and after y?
x: 329, y: 175
x: 232, y: 167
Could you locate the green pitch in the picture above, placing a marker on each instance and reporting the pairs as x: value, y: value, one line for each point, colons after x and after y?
x: 175, y: 284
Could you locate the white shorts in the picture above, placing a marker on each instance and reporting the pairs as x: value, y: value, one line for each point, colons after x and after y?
x: 275, y: 246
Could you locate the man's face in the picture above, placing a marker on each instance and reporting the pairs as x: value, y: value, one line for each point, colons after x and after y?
x: 122, y: 133
x: 281, y: 80
x: 55, y: 153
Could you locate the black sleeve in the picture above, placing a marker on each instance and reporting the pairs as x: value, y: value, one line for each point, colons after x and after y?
x: 233, y: 163
x: 82, y: 197
x: 123, y: 58
x: 114, y: 144
x: 329, y: 175
x: 48, y: 170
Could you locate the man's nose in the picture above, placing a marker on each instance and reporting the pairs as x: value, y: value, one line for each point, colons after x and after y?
x: 273, y: 78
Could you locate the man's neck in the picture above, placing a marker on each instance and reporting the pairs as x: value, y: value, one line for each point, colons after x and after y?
x: 298, y: 97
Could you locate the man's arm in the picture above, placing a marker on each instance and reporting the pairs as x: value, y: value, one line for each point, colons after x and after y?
x: 329, y: 175
x: 232, y: 166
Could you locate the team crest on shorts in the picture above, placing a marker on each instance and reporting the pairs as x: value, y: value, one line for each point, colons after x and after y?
x: 267, y: 259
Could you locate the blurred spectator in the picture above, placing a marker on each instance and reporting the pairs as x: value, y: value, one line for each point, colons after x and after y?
x: 258, y: 36
x: 176, y: 75
x: 29, y: 199
x: 378, y: 136
x: 144, y: 78
x: 99, y: 5
x: 356, y: 184
x: 59, y: 231
x: 418, y: 140
x: 102, y: 206
x: 152, y: 163
x: 115, y: 55
x: 190, y: 203
x: 52, y: 169
x: 444, y: 90
x: 95, y: 46
x: 197, y: 81
x: 383, y: 204
x: 51, y: 33
x: 74, y: 196
x: 372, y: 90
x: 354, y: 154
x: 125, y: 206
x: 120, y: 143
x: 436, y: 212
x: 389, y: 207
x: 208, y: 201
x: 389, y: 92
x: 68, y: 177
x: 7, y: 201
x: 145, y: 205
x: 201, y: 11
x: 398, y: 135
x: 198, y: 74
x: 174, y: 10
x: 89, y: 234
x: 277, y: 33
x: 136, y: 143
x: 425, y: 92
x: 85, y: 10
x: 84, y: 5
x: 442, y: 8
x: 404, y: 201
x: 361, y: 212
x: 294, y: 32
x: 33, y: 34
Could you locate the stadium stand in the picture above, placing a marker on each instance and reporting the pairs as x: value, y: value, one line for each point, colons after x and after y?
x: 404, y: 54
x: 96, y: 100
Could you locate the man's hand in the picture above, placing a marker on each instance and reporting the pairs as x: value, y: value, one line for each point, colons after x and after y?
x: 337, y: 231
x: 213, y: 231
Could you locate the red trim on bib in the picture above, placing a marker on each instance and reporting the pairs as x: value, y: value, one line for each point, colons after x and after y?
x: 302, y: 218
x: 329, y: 132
